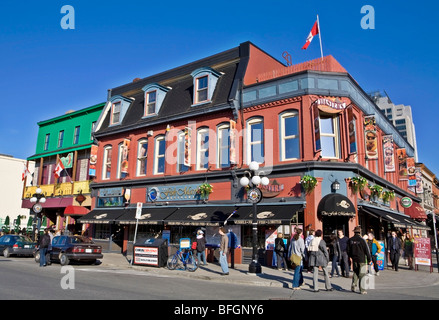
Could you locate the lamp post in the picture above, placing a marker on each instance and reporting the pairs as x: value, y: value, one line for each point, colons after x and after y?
x: 37, y: 198
x: 254, y: 195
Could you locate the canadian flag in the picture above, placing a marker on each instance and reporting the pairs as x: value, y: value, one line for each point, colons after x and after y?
x: 314, y: 32
x: 58, y: 169
x: 25, y: 173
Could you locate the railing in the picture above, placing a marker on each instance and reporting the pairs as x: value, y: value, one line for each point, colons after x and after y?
x: 60, y: 189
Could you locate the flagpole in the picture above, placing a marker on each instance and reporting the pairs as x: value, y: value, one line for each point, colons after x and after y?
x: 320, y: 36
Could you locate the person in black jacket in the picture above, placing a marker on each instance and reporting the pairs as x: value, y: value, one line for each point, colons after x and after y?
x: 201, y: 247
x: 359, y: 252
x: 279, y: 248
x: 43, y: 244
x: 394, y: 247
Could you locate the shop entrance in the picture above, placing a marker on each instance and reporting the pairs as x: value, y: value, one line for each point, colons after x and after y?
x: 333, y: 223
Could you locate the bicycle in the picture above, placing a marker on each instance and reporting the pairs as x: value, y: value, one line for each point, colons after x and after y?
x: 184, y: 259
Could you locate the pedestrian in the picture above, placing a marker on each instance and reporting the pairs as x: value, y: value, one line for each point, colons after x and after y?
x: 358, y: 251
x: 334, y: 254
x: 307, y: 243
x: 394, y: 246
x: 297, y: 246
x: 319, y: 257
x: 375, y: 249
x: 344, y: 259
x: 201, y: 247
x: 43, y: 244
x: 279, y: 249
x: 223, y: 251
x: 408, y: 250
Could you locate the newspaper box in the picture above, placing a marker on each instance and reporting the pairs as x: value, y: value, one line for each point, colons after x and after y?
x: 150, y: 252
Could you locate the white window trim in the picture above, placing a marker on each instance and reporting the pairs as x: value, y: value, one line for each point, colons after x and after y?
x: 250, y: 143
x: 157, y: 156
x: 119, y: 103
x: 119, y: 160
x: 197, y: 89
x: 201, y: 150
x: 219, y: 147
x: 147, y: 103
x: 335, y: 135
x: 283, y: 137
x: 141, y: 158
x: 106, y: 164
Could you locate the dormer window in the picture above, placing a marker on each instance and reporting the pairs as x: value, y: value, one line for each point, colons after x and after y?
x: 119, y: 106
x: 205, y: 80
x: 115, y: 112
x: 154, y: 96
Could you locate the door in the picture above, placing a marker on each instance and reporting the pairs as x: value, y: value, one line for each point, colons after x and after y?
x: 333, y: 223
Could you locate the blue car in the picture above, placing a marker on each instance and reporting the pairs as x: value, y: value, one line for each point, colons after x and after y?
x: 72, y: 248
x: 13, y: 244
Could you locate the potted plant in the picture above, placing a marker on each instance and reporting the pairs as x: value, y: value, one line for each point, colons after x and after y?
x: 388, y: 196
x: 375, y: 191
x: 204, y: 190
x: 308, y: 183
x: 358, y: 183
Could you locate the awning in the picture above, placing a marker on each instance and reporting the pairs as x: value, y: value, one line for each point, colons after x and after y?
x: 415, y: 211
x: 200, y: 216
x: 398, y: 220
x: 276, y: 214
x: 57, y: 202
x: 336, y: 204
x: 75, y: 211
x: 102, y: 215
x: 149, y: 215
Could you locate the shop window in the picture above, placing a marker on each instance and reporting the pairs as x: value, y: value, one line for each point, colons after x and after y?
x: 289, y: 136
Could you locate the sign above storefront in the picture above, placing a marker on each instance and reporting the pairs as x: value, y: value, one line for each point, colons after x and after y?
x: 406, y: 202
x: 173, y: 193
x: 330, y: 106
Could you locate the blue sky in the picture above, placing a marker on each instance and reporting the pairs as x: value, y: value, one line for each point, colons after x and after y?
x: 46, y: 70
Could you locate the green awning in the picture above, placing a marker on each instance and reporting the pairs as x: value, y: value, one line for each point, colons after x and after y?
x: 67, y: 150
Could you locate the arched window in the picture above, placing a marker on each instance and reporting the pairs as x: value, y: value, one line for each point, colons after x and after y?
x: 159, y: 154
x: 142, y: 157
x: 202, y: 149
x: 223, y: 146
x: 106, y: 165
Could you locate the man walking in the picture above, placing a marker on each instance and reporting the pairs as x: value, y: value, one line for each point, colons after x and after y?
x: 223, y: 251
x: 358, y: 251
x: 394, y: 247
x: 43, y: 244
x: 343, y: 259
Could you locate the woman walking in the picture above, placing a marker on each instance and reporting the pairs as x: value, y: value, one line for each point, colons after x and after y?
x: 319, y: 257
x: 279, y: 248
x: 297, y: 246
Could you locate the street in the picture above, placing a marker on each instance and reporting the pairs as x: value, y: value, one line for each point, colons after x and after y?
x: 23, y: 279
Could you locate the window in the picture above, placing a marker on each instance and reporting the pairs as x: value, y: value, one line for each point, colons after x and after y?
x: 60, y: 138
x: 151, y: 98
x: 106, y: 167
x: 329, y: 136
x: 202, y: 89
x: 289, y: 136
x: 223, y: 146
x: 255, y: 136
x: 181, y: 167
x: 115, y: 112
x: 203, y: 149
x: 46, y: 142
x: 142, y: 157
x: 76, y: 135
x: 159, y: 155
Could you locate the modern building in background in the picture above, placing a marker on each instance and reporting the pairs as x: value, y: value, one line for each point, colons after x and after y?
x: 400, y: 115
x: 11, y: 189
x: 66, y: 139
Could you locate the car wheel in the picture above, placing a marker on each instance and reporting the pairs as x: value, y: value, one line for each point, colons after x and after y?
x: 6, y: 253
x: 48, y: 261
x: 37, y: 257
x: 63, y: 259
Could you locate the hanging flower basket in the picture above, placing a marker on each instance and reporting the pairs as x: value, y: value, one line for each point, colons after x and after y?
x: 204, y: 190
x: 358, y: 183
x: 308, y: 183
x: 376, y: 190
x: 388, y: 196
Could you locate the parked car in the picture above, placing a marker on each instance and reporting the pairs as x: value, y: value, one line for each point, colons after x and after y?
x: 72, y: 248
x: 13, y: 244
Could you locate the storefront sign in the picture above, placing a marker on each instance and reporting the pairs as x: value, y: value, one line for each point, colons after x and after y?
x: 173, y: 193
x: 406, y: 202
x: 370, y: 135
x: 402, y: 163
x: 389, y: 154
x: 422, y: 251
x: 330, y: 106
x: 111, y: 192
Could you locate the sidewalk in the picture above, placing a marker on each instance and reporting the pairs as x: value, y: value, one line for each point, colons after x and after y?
x: 270, y: 277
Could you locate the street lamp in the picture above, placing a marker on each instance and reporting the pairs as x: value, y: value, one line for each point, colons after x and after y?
x: 254, y: 195
x: 37, y: 198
